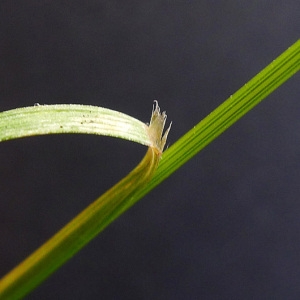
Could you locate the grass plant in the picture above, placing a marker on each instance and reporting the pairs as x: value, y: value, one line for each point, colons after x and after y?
x: 155, y: 167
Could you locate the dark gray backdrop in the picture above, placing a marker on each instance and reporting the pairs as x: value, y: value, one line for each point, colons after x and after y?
x: 224, y: 226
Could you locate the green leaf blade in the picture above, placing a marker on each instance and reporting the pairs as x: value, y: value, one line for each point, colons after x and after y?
x: 225, y: 115
x: 71, y: 118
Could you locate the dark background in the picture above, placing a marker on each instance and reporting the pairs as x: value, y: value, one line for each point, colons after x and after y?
x: 224, y: 226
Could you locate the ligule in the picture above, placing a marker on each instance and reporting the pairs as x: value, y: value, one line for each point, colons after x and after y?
x: 156, y: 127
